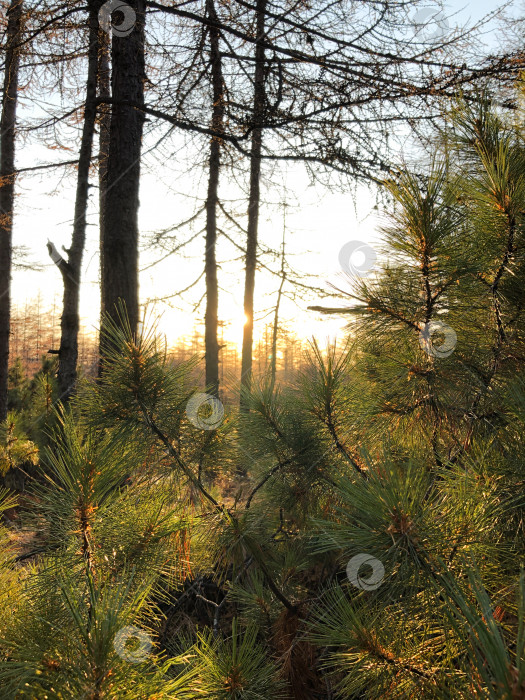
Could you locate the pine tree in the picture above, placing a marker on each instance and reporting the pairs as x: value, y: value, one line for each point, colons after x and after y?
x: 435, y: 392
x: 358, y: 534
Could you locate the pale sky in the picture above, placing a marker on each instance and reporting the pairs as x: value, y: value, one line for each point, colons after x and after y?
x: 318, y: 224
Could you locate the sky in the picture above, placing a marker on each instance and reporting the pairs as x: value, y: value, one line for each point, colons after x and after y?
x: 318, y: 223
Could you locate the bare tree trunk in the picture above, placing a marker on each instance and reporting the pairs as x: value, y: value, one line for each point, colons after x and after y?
x: 72, y: 268
x: 253, y: 205
x: 7, y: 187
x: 210, y: 262
x: 104, y: 121
x: 121, y: 200
x: 273, y: 363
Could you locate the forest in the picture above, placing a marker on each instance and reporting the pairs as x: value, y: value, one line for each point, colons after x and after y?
x: 284, y: 516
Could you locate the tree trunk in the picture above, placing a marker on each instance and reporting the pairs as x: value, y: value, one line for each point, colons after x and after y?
x: 72, y: 269
x: 104, y: 121
x: 210, y: 262
x: 7, y: 188
x: 253, y: 205
x: 273, y: 363
x: 121, y: 200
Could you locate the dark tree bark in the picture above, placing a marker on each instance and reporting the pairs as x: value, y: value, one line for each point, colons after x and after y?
x: 253, y: 203
x: 7, y: 187
x: 104, y: 121
x: 210, y: 261
x: 121, y: 200
x: 72, y: 268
